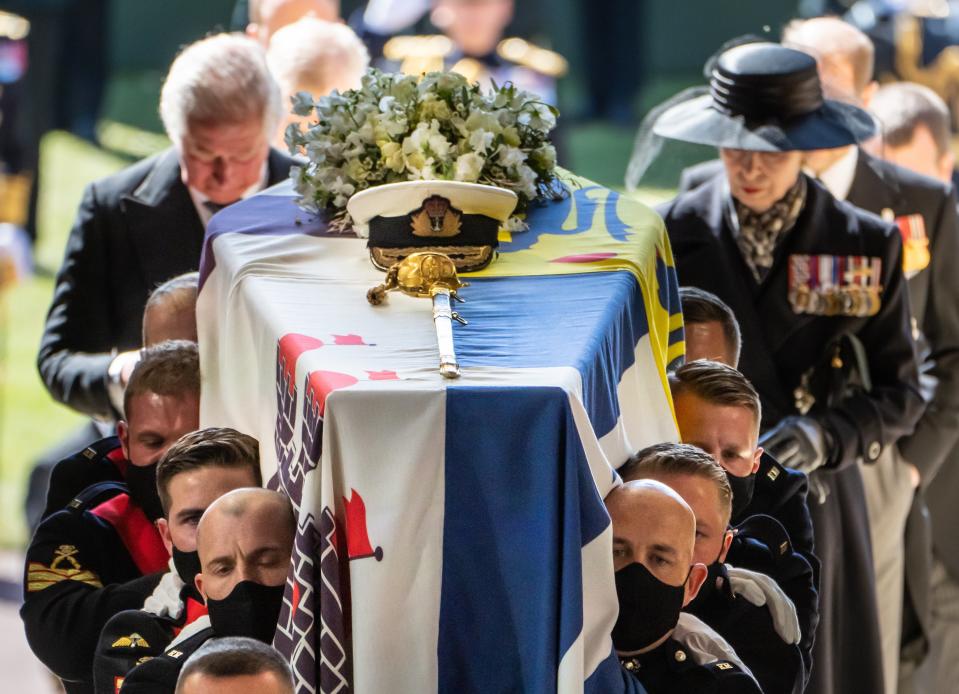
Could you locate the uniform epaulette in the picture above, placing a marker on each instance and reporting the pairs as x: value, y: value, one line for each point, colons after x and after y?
x: 95, y: 494
x: 542, y: 60
x: 418, y: 54
x: 768, y: 531
x: 100, y: 448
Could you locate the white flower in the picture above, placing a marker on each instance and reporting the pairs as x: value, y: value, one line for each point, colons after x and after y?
x: 481, y: 140
x: 398, y: 128
x: 527, y: 181
x: 511, y: 157
x: 302, y: 103
x: 469, y: 167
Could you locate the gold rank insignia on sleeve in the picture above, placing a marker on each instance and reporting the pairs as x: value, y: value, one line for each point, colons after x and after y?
x: 174, y: 653
x: 134, y: 640
x: 773, y: 474
x: 64, y: 567
x: 724, y: 666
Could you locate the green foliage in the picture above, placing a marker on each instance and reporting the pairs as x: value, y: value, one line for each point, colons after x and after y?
x: 399, y: 128
x: 30, y: 421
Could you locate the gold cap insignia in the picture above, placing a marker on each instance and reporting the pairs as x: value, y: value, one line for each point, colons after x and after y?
x: 437, y: 218
x: 134, y: 640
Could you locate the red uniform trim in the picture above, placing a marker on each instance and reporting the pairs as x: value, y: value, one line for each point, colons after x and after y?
x: 194, y: 610
x: 137, y: 533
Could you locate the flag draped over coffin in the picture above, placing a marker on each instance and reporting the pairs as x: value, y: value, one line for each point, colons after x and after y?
x: 452, y: 535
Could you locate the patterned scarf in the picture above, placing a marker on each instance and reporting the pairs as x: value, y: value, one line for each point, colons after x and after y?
x: 760, y: 232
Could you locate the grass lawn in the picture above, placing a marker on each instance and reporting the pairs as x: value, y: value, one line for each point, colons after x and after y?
x: 30, y: 421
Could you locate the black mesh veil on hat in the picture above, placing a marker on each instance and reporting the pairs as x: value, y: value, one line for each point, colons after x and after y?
x: 761, y: 97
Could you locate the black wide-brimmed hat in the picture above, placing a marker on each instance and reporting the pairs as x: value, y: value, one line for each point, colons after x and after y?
x: 765, y: 97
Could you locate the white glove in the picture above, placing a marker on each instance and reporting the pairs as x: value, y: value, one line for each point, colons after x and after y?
x: 165, y: 599
x: 759, y: 589
x: 704, y: 643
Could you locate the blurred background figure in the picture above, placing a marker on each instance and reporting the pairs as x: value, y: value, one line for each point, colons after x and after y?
x: 316, y: 56
x: 52, y: 76
x: 266, y: 17
x: 915, y: 129
x: 473, y: 43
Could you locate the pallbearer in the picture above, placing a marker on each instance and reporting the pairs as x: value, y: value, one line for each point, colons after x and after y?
x: 819, y: 293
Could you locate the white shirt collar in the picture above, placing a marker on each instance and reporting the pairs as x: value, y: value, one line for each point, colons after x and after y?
x: 199, y: 198
x: 838, y: 177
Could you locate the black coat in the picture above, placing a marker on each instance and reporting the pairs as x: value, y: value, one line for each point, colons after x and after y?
x: 778, y: 347
x: 159, y: 675
x: 763, y: 545
x: 132, y: 636
x: 79, y: 574
x: 749, y: 629
x: 670, y: 669
x: 134, y: 230
x: 883, y: 189
x: 886, y: 189
x: 781, y: 493
x: 101, y: 461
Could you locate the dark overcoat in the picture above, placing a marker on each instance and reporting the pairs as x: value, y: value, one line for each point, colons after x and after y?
x: 779, y: 346
x: 133, y: 231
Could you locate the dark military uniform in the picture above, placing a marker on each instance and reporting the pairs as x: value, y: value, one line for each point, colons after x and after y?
x: 925, y: 212
x: 781, y: 493
x: 97, y: 557
x: 780, y: 345
x: 159, y: 675
x: 134, y: 636
x: 763, y: 545
x: 101, y: 461
x: 671, y: 668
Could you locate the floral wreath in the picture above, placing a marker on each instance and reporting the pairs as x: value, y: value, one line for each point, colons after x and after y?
x: 439, y: 127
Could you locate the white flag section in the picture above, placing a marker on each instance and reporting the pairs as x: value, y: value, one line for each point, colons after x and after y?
x: 452, y: 535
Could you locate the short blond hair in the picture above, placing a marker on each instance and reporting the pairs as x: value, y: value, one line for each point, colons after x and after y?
x: 220, y: 80
x: 316, y: 56
x: 680, y: 459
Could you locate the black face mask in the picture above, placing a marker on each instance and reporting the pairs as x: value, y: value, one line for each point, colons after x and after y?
x: 648, y: 608
x: 187, y: 564
x: 250, y: 610
x: 742, y: 492
x: 716, y: 578
x: 142, y: 483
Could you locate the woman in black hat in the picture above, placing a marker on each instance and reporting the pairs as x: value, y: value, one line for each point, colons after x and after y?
x: 819, y: 293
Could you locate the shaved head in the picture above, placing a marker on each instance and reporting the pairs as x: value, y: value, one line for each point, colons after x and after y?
x: 252, y: 502
x: 649, y: 517
x: 245, y: 535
